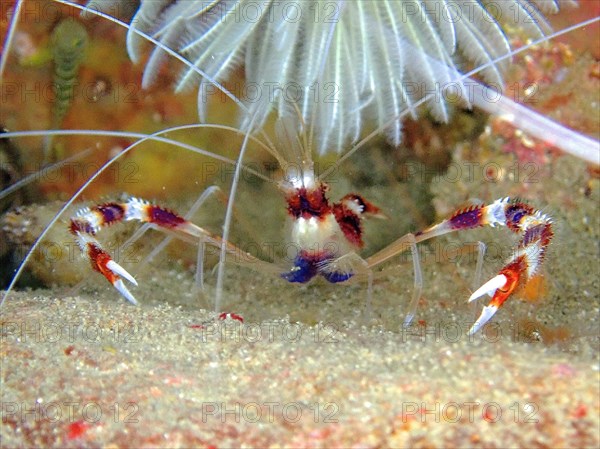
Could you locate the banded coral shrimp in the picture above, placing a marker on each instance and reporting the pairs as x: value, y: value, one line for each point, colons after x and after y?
x: 31, y: 133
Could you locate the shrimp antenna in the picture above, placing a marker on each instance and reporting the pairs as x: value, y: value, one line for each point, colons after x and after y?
x: 228, y: 216
x: 12, y: 27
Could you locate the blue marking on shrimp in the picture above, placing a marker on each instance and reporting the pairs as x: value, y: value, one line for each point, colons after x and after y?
x: 307, y: 267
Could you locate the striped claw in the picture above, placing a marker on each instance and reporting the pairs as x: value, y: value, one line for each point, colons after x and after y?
x: 500, y: 288
x: 111, y: 270
x: 89, y: 221
x: 118, y: 270
x: 535, y: 229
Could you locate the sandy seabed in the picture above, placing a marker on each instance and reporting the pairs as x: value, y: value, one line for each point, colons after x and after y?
x: 88, y: 372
